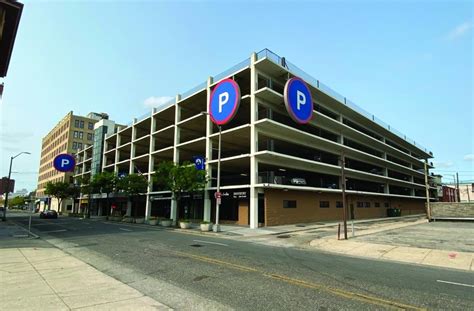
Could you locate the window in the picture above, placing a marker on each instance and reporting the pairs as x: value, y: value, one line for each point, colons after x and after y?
x: 324, y: 204
x: 90, y: 126
x: 360, y: 204
x: 90, y: 136
x: 377, y: 204
x: 81, y: 135
x: 289, y: 203
x: 74, y: 145
x: 366, y: 204
x: 81, y: 124
x: 76, y: 123
x: 339, y: 204
x: 386, y: 204
x: 79, y: 145
x: 76, y: 134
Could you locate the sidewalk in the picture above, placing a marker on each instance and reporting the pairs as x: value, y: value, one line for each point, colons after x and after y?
x: 46, y: 278
x: 416, y: 255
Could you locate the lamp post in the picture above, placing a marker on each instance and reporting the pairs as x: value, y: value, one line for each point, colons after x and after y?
x: 218, y: 199
x: 8, y: 185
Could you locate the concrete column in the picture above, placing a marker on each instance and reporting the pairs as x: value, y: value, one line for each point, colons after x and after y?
x: 386, y: 188
x: 129, y: 208
x: 151, y: 165
x: 253, y: 145
x: 207, y: 199
x: 177, y: 117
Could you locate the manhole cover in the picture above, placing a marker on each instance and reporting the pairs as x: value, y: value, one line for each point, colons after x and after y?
x: 196, y: 245
x: 285, y: 236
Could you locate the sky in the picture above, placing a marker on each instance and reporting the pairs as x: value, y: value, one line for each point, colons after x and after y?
x: 410, y: 63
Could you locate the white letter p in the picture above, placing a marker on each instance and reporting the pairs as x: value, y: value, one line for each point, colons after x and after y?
x: 300, y: 99
x: 64, y: 162
x: 223, y: 99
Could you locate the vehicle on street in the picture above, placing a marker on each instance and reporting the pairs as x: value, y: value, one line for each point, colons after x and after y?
x: 49, y: 214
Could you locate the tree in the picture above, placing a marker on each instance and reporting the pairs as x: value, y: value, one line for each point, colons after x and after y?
x: 17, y: 201
x: 133, y: 185
x: 106, y: 182
x: 86, y: 186
x: 60, y: 190
x: 179, y: 178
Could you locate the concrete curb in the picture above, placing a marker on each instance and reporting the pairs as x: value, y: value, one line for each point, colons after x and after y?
x: 25, y: 229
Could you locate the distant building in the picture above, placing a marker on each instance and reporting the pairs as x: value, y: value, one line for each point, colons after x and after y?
x: 89, y: 160
x: 71, y: 134
x: 4, y: 187
x: 466, y: 193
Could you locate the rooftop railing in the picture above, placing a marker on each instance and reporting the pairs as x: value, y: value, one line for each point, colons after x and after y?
x: 265, y: 53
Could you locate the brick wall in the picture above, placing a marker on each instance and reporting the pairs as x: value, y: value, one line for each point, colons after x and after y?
x: 452, y: 210
x: 308, y: 207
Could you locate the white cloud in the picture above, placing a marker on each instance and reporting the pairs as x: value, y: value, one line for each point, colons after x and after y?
x: 153, y: 101
x: 443, y: 164
x: 459, y: 31
x: 469, y: 157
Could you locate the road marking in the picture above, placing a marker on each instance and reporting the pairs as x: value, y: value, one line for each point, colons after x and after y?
x: 54, y: 231
x: 335, y: 291
x: 208, y: 242
x: 125, y: 229
x: 454, y: 283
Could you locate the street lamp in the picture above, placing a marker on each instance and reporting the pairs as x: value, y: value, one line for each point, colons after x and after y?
x: 8, y: 184
x: 218, y: 200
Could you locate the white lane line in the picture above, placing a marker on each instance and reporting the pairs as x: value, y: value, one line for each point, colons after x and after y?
x: 221, y: 244
x: 454, y: 283
x: 53, y: 231
x: 125, y: 229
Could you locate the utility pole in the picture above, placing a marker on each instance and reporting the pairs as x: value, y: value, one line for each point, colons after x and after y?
x: 468, y: 197
x: 343, y: 183
x: 4, y: 217
x: 427, y: 187
x: 457, y: 187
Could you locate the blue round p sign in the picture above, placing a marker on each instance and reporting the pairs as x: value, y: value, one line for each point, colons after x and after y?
x: 225, y: 100
x: 64, y: 162
x: 298, y: 100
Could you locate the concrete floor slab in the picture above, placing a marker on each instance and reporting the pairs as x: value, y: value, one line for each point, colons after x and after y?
x: 115, y: 293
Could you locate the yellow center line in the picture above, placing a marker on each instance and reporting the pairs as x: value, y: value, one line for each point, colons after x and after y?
x: 335, y: 291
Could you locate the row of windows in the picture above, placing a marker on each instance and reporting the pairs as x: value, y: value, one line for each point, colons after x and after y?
x: 327, y: 204
x: 76, y: 145
x: 80, y: 135
x: 54, y: 153
x: 57, y: 132
x: 80, y: 124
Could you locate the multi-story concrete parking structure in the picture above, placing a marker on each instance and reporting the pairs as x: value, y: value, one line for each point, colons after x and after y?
x: 273, y: 169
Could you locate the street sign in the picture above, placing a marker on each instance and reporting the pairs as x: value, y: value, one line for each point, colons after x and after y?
x: 225, y: 100
x: 64, y: 162
x: 298, y: 101
x: 199, y: 163
x: 218, y: 195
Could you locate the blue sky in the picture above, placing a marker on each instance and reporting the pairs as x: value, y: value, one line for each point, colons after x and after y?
x: 409, y: 63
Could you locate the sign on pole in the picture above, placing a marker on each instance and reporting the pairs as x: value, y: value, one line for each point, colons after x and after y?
x: 199, y: 163
x: 64, y: 162
x: 225, y: 100
x: 298, y: 101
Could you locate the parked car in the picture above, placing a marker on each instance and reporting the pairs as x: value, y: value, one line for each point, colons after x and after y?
x: 50, y: 214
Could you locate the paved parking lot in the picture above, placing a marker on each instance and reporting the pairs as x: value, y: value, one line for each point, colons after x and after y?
x: 452, y: 236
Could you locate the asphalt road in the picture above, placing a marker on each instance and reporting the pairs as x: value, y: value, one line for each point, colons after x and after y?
x: 190, y: 271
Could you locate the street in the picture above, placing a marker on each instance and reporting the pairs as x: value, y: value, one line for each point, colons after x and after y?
x: 191, y: 271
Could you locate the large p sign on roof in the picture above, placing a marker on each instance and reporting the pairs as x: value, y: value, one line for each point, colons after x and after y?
x: 298, y: 100
x: 225, y: 101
